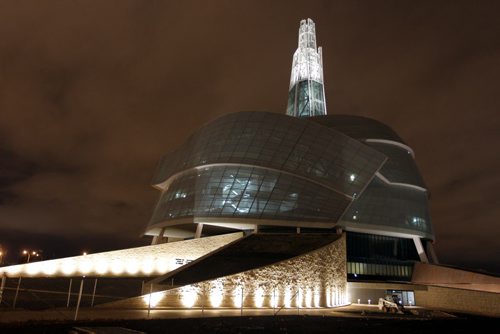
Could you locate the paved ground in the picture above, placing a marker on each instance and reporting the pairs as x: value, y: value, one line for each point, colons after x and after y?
x: 348, y: 319
x: 93, y: 314
x: 309, y: 321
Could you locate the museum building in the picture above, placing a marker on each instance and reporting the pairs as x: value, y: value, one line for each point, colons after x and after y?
x: 284, y: 210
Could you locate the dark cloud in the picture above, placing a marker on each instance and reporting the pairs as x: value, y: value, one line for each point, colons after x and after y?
x: 92, y: 94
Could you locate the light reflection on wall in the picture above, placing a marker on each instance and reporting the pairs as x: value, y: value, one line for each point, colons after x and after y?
x: 153, y: 299
x: 101, y: 267
x: 148, y: 266
x: 328, y: 296
x: 259, y: 297
x: 68, y: 267
x: 216, y: 294
x: 132, y: 267
x: 238, y: 296
x: 316, y: 296
x: 85, y: 266
x: 274, y: 298
x: 189, y: 296
x: 233, y: 296
x: 288, y: 297
x: 50, y: 269
x: 308, y: 297
x: 298, y: 298
x: 145, y: 261
x: 315, y: 279
x: 117, y: 267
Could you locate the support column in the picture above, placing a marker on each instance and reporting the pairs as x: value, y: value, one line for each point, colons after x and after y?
x: 149, y: 299
x: 199, y: 228
x: 17, y: 292
x: 432, y: 253
x: 242, y: 300
x: 69, y: 292
x: 93, y: 293
x: 2, y: 287
x: 79, y: 299
x: 420, y: 250
x: 159, y: 238
x: 395, y: 248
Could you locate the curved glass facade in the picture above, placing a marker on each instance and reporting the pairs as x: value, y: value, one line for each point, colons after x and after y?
x: 268, y: 166
x: 283, y: 143
x: 248, y: 192
x: 390, y: 208
x: 400, y: 167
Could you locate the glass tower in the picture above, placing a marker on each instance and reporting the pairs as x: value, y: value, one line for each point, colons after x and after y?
x: 306, y: 95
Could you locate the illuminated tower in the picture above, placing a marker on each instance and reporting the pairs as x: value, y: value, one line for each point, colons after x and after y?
x: 306, y: 96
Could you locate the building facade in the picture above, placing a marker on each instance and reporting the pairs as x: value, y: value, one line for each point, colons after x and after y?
x: 303, y: 172
x: 268, y: 210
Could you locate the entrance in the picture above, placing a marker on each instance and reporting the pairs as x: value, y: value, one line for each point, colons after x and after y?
x: 407, y: 297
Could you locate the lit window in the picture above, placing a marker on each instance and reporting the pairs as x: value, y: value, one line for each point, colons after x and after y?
x: 180, y: 194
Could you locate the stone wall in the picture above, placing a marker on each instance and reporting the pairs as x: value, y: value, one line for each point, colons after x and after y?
x: 314, y: 279
x: 151, y: 260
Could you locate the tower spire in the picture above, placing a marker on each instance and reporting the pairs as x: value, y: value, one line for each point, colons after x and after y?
x: 306, y: 95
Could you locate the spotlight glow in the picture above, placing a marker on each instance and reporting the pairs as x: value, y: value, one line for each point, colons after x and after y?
x: 274, y: 299
x: 288, y: 298
x: 117, y: 267
x: 132, y: 267
x: 308, y: 297
x: 68, y: 268
x: 216, y: 295
x: 101, y: 267
x: 238, y: 297
x: 85, y: 266
x: 34, y: 269
x: 50, y: 268
x: 161, y: 265
x: 148, y: 260
x: 189, y: 297
x: 298, y: 301
x: 316, y: 296
x: 14, y: 270
x: 147, y: 266
x: 259, y: 297
x: 153, y: 299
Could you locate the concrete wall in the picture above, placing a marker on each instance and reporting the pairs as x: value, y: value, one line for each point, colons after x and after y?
x: 459, y: 300
x: 431, y: 297
x: 436, y: 275
x: 314, y: 279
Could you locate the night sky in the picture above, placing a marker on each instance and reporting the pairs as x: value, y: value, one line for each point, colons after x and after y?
x: 93, y: 93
